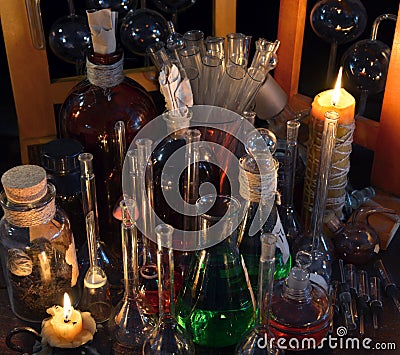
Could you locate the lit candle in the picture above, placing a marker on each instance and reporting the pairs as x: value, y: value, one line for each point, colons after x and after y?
x: 337, y: 99
x: 67, y: 322
x: 67, y: 327
x: 340, y: 101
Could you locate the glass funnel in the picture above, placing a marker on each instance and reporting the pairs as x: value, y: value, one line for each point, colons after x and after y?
x: 216, y: 304
x: 168, y: 337
x: 96, y: 290
x: 257, y: 341
x: 314, y: 240
x: 130, y: 321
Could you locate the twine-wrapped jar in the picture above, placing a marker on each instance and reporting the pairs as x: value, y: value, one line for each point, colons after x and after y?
x: 37, y: 247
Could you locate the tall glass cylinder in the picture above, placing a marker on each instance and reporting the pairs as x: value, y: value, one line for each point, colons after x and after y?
x: 96, y: 290
x: 168, y: 337
x: 314, y: 240
x: 216, y: 305
x: 229, y: 86
x: 144, y: 201
x: 260, y: 335
x: 264, y: 60
x: 105, y: 259
x: 195, y: 38
x: 290, y: 221
x: 210, y: 77
x: 191, y: 62
x: 130, y: 321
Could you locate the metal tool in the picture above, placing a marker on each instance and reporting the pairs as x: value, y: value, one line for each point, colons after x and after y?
x: 388, y: 284
x: 363, y: 298
x: 345, y: 300
x: 375, y: 302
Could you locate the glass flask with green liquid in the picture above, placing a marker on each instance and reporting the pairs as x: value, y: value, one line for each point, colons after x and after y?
x: 258, y: 185
x: 216, y: 304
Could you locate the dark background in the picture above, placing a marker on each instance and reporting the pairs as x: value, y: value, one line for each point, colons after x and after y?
x: 254, y: 17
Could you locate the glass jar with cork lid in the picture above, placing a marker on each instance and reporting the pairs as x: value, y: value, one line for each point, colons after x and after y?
x: 37, y: 247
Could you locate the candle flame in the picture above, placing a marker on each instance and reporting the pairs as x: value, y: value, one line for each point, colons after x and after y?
x: 336, y: 90
x: 67, y: 307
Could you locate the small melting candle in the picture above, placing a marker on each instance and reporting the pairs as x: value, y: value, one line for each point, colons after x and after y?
x: 67, y: 322
x: 67, y: 327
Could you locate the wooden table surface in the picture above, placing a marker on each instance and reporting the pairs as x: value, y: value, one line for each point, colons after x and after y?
x: 387, y: 335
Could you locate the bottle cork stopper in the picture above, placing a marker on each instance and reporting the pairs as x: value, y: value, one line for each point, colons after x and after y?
x: 25, y: 183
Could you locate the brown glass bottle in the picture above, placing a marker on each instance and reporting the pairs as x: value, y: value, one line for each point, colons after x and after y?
x: 89, y: 114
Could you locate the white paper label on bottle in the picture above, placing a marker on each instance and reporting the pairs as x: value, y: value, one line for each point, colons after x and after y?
x: 281, y: 242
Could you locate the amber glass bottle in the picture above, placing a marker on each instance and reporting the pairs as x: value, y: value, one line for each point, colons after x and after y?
x: 89, y: 114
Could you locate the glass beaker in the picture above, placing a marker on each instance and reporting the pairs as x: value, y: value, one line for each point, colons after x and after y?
x: 216, y: 304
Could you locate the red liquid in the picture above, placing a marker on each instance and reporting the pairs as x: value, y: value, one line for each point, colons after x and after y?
x: 149, y: 287
x: 312, y: 335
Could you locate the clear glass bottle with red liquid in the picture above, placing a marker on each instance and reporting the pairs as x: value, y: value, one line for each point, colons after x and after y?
x: 300, y: 308
x: 89, y: 114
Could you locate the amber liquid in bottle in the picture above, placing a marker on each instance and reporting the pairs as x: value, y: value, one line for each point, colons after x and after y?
x: 89, y: 114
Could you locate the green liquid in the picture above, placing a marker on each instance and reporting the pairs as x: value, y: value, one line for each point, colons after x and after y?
x: 217, y: 328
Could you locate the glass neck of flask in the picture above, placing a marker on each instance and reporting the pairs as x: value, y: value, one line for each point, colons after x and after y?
x: 129, y: 249
x: 290, y: 163
x: 297, y: 286
x: 265, y: 278
x: 105, y: 70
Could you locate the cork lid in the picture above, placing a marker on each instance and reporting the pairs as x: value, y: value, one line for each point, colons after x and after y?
x: 25, y: 183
